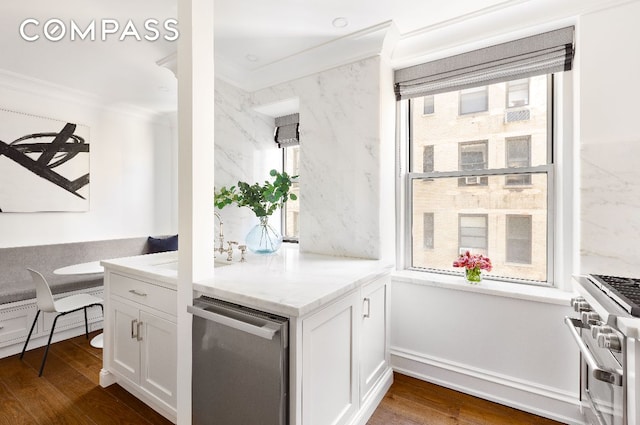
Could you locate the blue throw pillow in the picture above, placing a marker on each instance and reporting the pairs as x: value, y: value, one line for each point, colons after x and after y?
x: 162, y: 244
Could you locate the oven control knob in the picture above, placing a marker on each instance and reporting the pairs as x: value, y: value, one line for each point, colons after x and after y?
x: 590, y: 318
x: 598, y: 330
x: 610, y: 341
x: 576, y: 300
x: 581, y: 306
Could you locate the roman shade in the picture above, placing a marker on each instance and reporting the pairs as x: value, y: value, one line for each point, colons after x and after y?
x: 536, y: 55
x: 287, y: 133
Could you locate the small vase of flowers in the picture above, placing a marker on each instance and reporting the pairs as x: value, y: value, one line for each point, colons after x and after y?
x: 473, y: 266
x: 263, y: 200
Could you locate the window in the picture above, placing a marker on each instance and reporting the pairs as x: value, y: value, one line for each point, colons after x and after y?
x: 518, y: 235
x: 291, y: 209
x: 478, y: 147
x: 427, y: 158
x: 475, y: 199
x: 427, y: 223
x: 472, y: 233
x: 517, y: 93
x: 474, y: 100
x: 472, y: 156
x: 518, y: 155
x: 428, y: 107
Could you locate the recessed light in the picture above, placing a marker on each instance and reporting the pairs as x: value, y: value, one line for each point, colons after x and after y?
x: 251, y: 58
x: 340, y: 22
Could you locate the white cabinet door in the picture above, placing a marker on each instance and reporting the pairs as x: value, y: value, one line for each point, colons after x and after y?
x: 329, y: 375
x: 126, y: 348
x: 158, y: 352
x: 373, y: 357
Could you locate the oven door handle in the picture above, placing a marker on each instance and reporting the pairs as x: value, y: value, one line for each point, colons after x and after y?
x: 599, y: 373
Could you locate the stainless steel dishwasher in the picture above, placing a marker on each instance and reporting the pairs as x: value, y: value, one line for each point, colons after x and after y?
x: 240, y: 365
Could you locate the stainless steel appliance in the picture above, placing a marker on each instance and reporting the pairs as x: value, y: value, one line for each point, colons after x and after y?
x: 606, y: 333
x: 240, y: 365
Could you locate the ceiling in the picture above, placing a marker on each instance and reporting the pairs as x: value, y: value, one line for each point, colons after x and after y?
x: 257, y: 42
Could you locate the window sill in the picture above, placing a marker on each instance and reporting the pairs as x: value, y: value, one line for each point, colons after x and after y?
x: 487, y: 287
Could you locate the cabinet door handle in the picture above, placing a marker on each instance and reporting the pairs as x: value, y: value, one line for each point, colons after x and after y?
x: 138, y: 333
x: 368, y: 313
x: 140, y: 294
x: 134, y: 328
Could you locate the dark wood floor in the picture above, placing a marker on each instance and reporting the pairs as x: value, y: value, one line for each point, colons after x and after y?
x: 69, y: 393
x: 414, y: 402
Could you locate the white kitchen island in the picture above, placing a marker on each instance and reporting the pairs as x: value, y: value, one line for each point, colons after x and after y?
x: 338, y: 327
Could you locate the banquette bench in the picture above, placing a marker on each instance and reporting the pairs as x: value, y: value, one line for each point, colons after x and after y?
x: 17, y: 290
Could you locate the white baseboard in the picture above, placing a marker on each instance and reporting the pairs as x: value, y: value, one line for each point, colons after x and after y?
x: 41, y: 340
x: 530, y: 397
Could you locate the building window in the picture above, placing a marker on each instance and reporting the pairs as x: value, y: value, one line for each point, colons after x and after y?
x: 518, y: 155
x: 291, y: 209
x: 474, y: 100
x: 427, y: 159
x: 517, y: 93
x: 472, y: 233
x: 472, y: 156
x: 427, y: 230
x: 518, y: 239
x: 472, y: 188
x: 428, y: 106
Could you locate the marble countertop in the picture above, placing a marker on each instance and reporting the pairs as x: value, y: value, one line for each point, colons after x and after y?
x: 289, y: 283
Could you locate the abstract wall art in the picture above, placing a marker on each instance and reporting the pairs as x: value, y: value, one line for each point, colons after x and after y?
x: 44, y: 164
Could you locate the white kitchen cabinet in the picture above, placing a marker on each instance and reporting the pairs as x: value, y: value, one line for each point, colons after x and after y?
x: 142, y: 340
x: 374, y: 358
x: 329, y: 384
x: 345, y: 357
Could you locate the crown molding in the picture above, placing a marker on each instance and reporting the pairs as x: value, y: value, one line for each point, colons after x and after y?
x: 44, y: 89
x: 341, y: 51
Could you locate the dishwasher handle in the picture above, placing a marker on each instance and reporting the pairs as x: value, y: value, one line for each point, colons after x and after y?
x: 267, y: 331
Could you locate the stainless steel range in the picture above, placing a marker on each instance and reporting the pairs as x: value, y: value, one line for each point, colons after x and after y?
x: 607, y: 333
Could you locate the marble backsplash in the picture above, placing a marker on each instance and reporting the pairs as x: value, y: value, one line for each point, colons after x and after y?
x: 339, y: 156
x: 244, y: 150
x: 610, y: 208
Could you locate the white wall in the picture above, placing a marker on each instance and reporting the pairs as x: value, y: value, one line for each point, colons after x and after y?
x: 132, y: 169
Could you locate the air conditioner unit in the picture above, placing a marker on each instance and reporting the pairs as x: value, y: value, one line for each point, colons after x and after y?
x: 472, y: 180
x: 517, y: 115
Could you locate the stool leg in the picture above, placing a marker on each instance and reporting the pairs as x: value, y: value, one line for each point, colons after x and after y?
x: 29, y: 336
x: 46, y: 351
x: 86, y: 324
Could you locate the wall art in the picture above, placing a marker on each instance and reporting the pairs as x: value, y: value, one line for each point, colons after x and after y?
x: 44, y: 164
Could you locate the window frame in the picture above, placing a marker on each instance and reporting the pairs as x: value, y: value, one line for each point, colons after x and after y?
x: 473, y: 90
x: 506, y: 159
x: 508, y: 217
x: 432, y: 233
x: 508, y: 92
x: 283, y: 212
x: 433, y: 105
x: 486, y: 232
x: 404, y: 183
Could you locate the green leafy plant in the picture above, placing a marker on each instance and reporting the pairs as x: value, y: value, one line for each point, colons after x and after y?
x: 263, y: 199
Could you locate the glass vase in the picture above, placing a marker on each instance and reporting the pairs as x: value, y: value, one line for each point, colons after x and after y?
x: 473, y: 276
x: 262, y: 238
